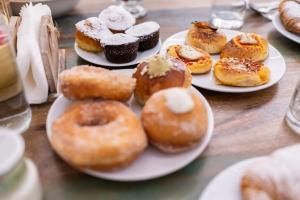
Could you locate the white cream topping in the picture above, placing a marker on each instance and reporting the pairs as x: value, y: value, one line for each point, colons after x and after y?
x: 143, y: 29
x: 118, y: 39
x: 179, y: 100
x: 189, y: 52
x: 93, y: 27
x: 117, y: 18
x: 247, y: 39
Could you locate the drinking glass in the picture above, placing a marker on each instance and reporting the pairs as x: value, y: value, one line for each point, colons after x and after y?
x: 267, y: 8
x: 228, y: 14
x: 134, y: 7
x: 293, y: 113
x: 15, y: 112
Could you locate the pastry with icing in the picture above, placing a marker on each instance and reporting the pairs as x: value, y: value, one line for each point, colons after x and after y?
x: 241, y: 72
x: 247, y: 45
x: 147, y: 32
x: 174, y: 119
x: 90, y: 33
x: 204, y: 36
x: 290, y: 15
x: 120, y: 48
x: 117, y: 18
x: 197, y: 60
x: 157, y: 73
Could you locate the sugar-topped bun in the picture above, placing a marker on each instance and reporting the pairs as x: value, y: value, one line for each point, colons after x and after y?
x: 147, y: 32
x: 117, y: 19
x: 197, y: 60
x: 248, y: 45
x: 120, y: 48
x: 175, y: 119
x: 204, y: 36
x: 157, y: 73
x: 90, y: 33
x: 241, y: 72
x: 290, y: 15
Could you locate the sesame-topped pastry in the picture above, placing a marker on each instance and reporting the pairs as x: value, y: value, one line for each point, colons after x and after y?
x: 197, y: 60
x: 147, y: 32
x: 89, y: 34
x: 175, y: 119
x: 121, y: 48
x: 248, y: 45
x: 117, y: 19
x: 241, y: 72
x: 204, y: 36
x: 157, y: 73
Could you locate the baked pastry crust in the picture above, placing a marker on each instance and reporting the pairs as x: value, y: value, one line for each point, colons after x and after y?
x: 257, y: 51
x: 274, y: 177
x: 87, y: 82
x: 241, y: 72
x: 202, y: 35
x: 98, y: 135
x: 174, y: 132
x: 200, y: 65
x: 290, y: 15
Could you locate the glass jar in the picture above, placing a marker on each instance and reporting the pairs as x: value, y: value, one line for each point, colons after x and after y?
x: 19, y: 178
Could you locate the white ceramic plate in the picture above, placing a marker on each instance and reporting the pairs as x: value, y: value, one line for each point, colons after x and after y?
x: 100, y: 59
x: 226, y: 185
x: 207, y: 81
x: 152, y: 163
x: 281, y: 29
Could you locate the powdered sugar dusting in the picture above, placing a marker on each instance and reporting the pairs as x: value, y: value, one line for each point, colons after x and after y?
x: 117, y: 18
x: 119, y: 38
x: 93, y: 27
x: 143, y: 29
x: 179, y: 100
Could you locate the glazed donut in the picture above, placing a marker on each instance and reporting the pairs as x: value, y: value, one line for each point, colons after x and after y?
x: 174, y: 119
x: 197, y: 60
x: 117, y: 19
x: 157, y: 73
x: 87, y: 82
x: 204, y: 36
x: 241, y: 72
x: 98, y: 135
x: 249, y: 45
x: 90, y: 33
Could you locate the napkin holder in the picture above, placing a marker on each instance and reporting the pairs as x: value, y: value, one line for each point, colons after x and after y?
x: 54, y: 59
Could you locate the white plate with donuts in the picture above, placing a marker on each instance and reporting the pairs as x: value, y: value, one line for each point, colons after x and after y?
x: 152, y: 163
x: 99, y: 58
x: 226, y: 185
x: 274, y: 61
x: 281, y: 29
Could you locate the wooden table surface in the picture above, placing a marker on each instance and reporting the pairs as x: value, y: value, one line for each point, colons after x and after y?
x: 246, y: 125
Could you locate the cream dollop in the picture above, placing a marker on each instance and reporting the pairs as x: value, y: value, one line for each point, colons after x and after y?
x: 189, y: 52
x: 158, y: 66
x: 179, y: 100
x: 247, y: 39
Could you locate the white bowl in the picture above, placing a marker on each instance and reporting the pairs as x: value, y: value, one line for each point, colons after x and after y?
x: 58, y: 7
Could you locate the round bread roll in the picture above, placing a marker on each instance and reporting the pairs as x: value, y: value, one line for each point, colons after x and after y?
x: 202, y: 35
x: 175, y: 119
x: 197, y: 60
x: 249, y: 45
x: 159, y: 73
x: 99, y: 135
x: 241, y: 72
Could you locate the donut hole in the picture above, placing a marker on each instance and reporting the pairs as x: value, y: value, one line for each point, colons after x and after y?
x: 96, y: 119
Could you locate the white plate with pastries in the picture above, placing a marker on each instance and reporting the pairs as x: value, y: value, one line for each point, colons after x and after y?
x: 281, y: 29
x: 274, y: 61
x: 152, y: 163
x: 99, y: 58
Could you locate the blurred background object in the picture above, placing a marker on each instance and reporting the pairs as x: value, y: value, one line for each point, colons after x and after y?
x: 293, y: 114
x: 135, y: 7
x: 58, y: 7
x: 5, y: 8
x: 228, y: 14
x: 267, y: 8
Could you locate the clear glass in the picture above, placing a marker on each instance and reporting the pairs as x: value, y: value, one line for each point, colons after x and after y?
x: 293, y: 114
x: 135, y: 7
x: 267, y: 8
x: 15, y: 112
x: 228, y: 14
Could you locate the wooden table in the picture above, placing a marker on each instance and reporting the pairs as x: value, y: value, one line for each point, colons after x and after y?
x: 246, y: 125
